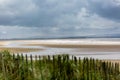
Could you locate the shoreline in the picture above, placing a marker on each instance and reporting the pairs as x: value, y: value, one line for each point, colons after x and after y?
x: 95, y: 48
x: 77, y: 45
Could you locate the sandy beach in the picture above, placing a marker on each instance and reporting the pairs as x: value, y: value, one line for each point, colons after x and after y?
x: 76, y: 44
x: 12, y: 49
x: 3, y: 43
x: 112, y: 46
x: 93, y: 48
x: 19, y: 50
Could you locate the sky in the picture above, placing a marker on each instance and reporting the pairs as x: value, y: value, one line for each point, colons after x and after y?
x: 58, y: 18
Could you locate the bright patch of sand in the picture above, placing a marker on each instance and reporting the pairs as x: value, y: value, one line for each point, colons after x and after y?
x: 20, y: 50
x: 3, y: 43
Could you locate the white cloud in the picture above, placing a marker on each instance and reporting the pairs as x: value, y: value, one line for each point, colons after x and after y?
x: 95, y: 21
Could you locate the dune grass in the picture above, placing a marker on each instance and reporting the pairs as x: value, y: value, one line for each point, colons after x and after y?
x: 56, y: 67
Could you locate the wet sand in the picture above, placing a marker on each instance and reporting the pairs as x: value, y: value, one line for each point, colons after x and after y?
x: 74, y: 45
x: 90, y: 47
x: 81, y: 47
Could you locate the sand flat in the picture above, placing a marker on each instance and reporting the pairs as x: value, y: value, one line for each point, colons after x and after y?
x: 74, y: 45
x: 19, y: 50
x: 88, y: 44
x: 78, y: 45
x: 87, y: 48
x: 3, y: 43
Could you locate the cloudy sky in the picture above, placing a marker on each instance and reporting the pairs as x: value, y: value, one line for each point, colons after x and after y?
x: 59, y: 18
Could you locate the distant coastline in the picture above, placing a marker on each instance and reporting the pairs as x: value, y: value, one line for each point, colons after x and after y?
x: 83, y: 37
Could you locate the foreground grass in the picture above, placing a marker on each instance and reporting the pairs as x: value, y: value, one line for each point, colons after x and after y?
x: 58, y: 67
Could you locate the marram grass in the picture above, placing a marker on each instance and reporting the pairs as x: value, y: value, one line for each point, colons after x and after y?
x: 57, y: 67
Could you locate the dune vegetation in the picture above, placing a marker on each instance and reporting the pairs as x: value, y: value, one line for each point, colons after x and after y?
x: 56, y: 67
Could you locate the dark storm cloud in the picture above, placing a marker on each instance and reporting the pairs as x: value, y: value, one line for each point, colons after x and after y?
x: 46, y: 13
x: 106, y: 8
x: 50, y: 18
x: 36, y: 12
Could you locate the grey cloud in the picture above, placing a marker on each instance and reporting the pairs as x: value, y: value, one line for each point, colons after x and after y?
x: 48, y: 13
x: 106, y: 8
x: 50, y: 18
x: 36, y: 12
